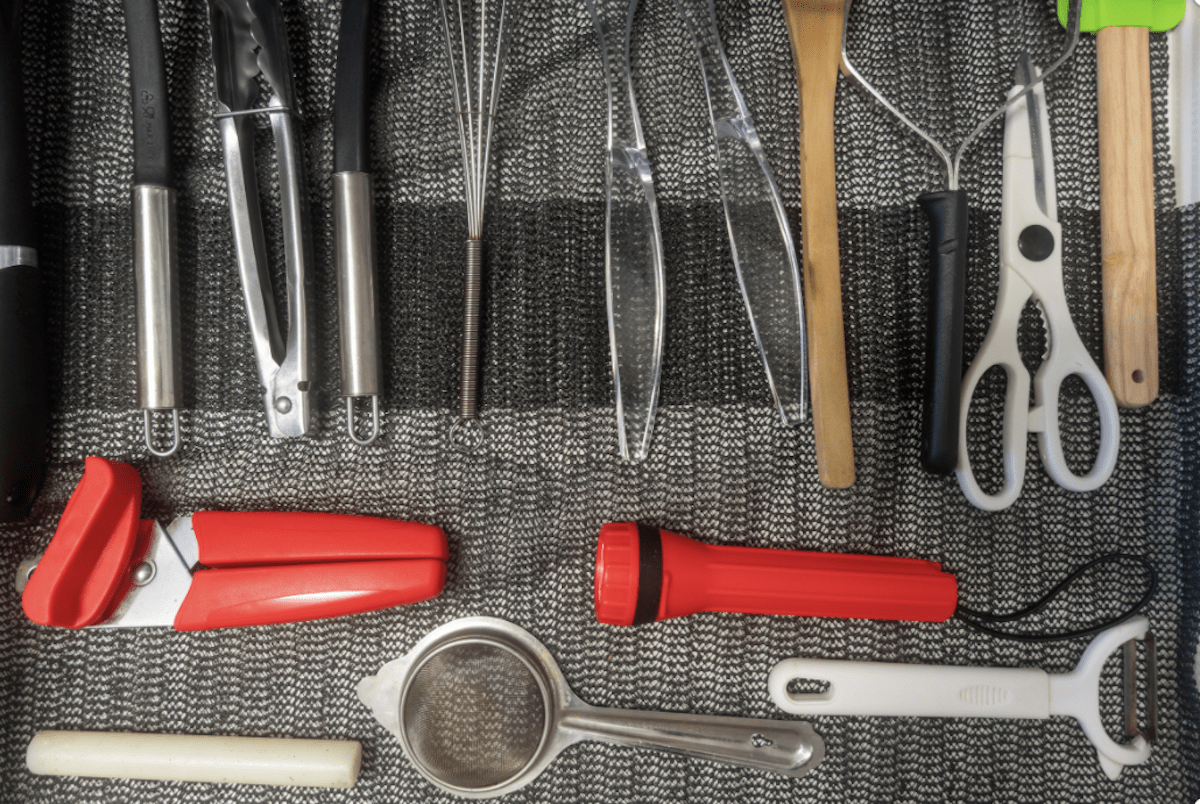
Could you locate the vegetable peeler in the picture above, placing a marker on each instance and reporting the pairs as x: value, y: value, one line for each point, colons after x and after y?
x: 250, y: 51
x: 107, y: 568
x: 920, y: 690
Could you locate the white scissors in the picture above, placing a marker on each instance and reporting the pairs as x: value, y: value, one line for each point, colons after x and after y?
x: 1031, y: 266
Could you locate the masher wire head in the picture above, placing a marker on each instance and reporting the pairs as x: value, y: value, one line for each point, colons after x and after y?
x: 950, y: 162
x: 474, y: 714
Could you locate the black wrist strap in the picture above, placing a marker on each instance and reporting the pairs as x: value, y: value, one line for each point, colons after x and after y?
x: 979, y: 619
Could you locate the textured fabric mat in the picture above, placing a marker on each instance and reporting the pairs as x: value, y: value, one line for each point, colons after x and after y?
x: 523, y: 513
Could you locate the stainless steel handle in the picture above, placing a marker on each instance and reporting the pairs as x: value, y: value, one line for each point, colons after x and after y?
x: 790, y: 747
x: 358, y: 316
x: 156, y: 276
x: 154, y: 267
x: 354, y: 257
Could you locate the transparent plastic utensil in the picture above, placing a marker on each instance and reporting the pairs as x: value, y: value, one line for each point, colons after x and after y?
x: 633, y: 253
x: 759, y: 235
x: 481, y: 709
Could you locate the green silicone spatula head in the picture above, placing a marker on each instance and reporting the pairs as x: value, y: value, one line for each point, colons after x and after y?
x: 1157, y: 15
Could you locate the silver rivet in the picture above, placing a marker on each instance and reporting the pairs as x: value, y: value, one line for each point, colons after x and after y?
x: 143, y: 573
x: 283, y: 404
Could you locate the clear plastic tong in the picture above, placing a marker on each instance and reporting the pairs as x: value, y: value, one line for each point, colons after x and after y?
x: 633, y: 256
x: 759, y: 235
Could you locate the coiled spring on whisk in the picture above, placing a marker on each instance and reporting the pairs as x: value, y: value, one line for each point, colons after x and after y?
x: 476, y: 49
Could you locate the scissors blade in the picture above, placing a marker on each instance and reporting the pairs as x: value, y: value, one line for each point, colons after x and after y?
x: 1026, y: 73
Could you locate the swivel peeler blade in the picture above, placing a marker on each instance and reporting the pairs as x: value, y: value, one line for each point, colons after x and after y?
x: 250, y: 51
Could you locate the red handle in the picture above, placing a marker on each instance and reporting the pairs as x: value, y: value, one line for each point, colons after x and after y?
x: 645, y: 574
x: 249, y: 538
x: 268, y: 595
x: 86, y: 568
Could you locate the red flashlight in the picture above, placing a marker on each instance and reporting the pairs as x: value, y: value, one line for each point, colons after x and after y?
x: 645, y: 574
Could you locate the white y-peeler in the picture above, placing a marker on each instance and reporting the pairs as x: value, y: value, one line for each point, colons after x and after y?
x: 920, y: 690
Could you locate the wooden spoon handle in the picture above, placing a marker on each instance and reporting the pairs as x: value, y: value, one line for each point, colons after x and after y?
x: 1127, y: 215
x: 816, y: 34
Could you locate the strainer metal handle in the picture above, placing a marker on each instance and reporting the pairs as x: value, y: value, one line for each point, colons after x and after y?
x: 791, y: 748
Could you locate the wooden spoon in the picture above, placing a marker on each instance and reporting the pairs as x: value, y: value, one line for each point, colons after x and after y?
x: 816, y: 33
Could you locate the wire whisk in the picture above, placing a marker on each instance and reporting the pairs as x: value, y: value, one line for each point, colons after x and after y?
x: 476, y: 50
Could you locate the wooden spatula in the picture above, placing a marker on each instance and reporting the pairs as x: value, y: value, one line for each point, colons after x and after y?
x: 816, y: 32
x: 1122, y: 29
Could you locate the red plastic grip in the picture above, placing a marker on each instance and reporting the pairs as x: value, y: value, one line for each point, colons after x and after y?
x: 750, y: 580
x: 86, y: 568
x: 227, y: 598
x: 249, y: 538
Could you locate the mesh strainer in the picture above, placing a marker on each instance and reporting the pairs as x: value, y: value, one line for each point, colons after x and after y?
x: 481, y: 709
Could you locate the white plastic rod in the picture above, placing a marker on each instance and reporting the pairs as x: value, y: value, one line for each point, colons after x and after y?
x: 195, y: 758
x: 911, y: 690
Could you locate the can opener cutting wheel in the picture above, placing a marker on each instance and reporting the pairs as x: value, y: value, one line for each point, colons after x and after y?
x: 105, y: 567
x: 921, y: 690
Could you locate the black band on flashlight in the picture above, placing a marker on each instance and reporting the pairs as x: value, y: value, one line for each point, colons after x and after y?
x: 650, y: 567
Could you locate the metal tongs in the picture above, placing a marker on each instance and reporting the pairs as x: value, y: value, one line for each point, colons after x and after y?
x: 250, y: 51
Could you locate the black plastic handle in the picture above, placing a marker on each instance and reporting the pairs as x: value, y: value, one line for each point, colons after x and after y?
x: 23, y: 410
x: 151, y: 121
x: 23, y: 406
x: 16, y: 194
x: 351, y: 149
x: 947, y: 211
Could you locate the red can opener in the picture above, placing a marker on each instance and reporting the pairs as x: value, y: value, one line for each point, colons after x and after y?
x: 105, y: 567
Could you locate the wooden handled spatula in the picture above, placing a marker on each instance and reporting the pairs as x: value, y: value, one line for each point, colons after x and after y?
x: 1122, y: 29
x: 816, y: 32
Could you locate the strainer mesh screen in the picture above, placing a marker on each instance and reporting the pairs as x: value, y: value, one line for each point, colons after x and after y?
x: 474, y: 715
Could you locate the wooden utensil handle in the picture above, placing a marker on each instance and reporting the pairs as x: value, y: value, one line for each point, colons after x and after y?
x: 816, y: 34
x: 1127, y: 215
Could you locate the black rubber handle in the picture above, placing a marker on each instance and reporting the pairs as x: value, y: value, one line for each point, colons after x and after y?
x: 151, y: 121
x: 350, y: 144
x: 16, y: 193
x: 947, y: 211
x: 23, y: 410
